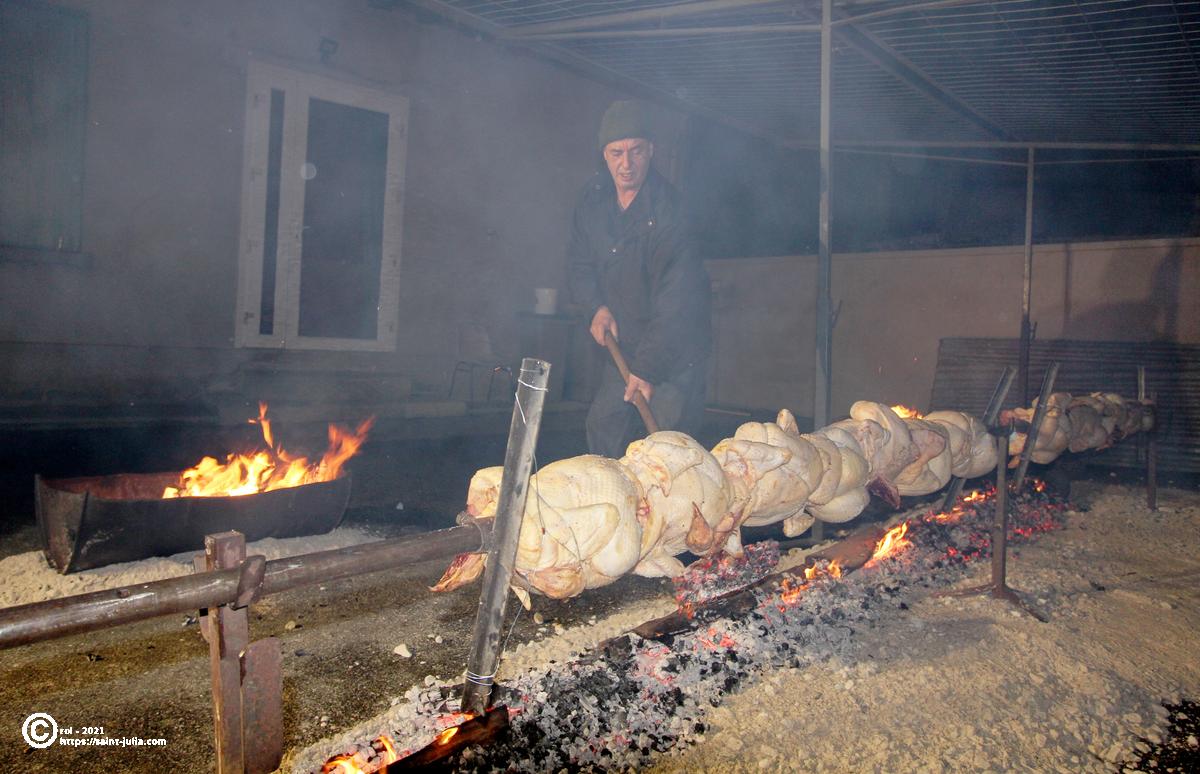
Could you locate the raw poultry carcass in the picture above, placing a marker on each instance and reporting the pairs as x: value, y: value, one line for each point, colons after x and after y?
x: 1126, y: 416
x: 930, y: 471
x: 842, y: 494
x: 972, y: 448
x: 581, y: 529
x: 1088, y: 430
x: 777, y: 493
x: 1054, y: 436
x: 885, y: 442
x: 688, y: 498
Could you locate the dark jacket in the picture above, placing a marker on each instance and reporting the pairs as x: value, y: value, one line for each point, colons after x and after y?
x: 642, y: 265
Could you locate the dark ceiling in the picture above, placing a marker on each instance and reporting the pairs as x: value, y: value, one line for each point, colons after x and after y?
x: 1019, y: 71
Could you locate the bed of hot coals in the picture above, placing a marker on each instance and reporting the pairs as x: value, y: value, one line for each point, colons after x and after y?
x: 623, y: 703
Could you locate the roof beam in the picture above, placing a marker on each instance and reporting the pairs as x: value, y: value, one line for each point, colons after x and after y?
x: 890, y: 61
x: 651, y: 15
x: 577, y: 31
x: 667, y: 32
x: 591, y: 69
x: 999, y: 144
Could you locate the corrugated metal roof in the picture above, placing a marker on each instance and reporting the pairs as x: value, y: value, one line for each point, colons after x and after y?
x: 1012, y: 70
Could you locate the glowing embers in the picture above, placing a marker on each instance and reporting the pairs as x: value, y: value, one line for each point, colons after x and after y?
x: 967, y: 504
x: 268, y: 469
x: 715, y: 640
x: 383, y: 753
x: 791, y: 589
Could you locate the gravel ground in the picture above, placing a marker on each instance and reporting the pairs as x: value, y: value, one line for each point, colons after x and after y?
x: 967, y: 683
x: 963, y: 684
x: 972, y: 684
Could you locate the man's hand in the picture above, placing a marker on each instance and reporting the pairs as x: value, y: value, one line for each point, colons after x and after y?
x: 638, y: 384
x: 603, y: 321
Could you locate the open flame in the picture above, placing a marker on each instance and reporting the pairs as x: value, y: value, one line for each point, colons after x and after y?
x: 892, y: 543
x: 271, y: 468
x: 904, y: 412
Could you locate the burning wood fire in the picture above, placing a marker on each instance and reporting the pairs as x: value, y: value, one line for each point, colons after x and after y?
x: 271, y: 468
x: 904, y: 412
x: 892, y: 543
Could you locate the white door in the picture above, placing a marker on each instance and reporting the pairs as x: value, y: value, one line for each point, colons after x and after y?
x: 322, y: 200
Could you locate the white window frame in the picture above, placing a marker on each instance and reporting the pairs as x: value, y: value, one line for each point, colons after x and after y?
x: 298, y: 87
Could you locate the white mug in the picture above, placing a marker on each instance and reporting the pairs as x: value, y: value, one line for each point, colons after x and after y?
x: 547, y: 300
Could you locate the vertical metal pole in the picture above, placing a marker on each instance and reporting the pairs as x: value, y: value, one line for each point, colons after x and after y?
x: 1151, y: 448
x: 1000, y: 524
x: 1027, y: 285
x: 510, y: 508
x: 824, y: 378
x: 823, y: 381
x: 1035, y: 427
x: 989, y: 418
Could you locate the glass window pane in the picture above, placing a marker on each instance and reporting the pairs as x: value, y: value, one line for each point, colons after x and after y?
x: 342, y: 242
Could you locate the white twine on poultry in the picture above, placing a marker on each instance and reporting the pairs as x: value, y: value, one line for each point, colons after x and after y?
x: 537, y: 493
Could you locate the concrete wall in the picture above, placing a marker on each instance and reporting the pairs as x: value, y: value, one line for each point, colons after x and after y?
x: 895, y: 306
x: 499, y: 144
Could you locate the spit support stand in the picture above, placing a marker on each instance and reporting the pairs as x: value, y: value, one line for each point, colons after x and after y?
x: 998, y: 587
x: 246, y: 676
x: 989, y: 418
x: 1035, y: 427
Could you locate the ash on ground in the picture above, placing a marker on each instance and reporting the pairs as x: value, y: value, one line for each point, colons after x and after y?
x: 642, y: 703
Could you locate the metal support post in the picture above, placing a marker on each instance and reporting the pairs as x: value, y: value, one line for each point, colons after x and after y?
x: 1035, y: 427
x: 510, y: 509
x: 1027, y: 284
x: 1151, y: 445
x: 247, y: 683
x: 823, y: 380
x: 989, y: 419
x: 824, y: 340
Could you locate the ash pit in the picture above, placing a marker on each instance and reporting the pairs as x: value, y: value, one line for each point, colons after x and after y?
x: 633, y: 699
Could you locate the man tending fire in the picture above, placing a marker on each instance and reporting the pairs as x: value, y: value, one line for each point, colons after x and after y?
x: 631, y: 265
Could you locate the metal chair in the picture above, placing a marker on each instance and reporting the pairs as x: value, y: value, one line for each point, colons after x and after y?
x: 475, y: 352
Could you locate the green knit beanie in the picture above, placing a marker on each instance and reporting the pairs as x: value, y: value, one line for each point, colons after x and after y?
x: 624, y: 120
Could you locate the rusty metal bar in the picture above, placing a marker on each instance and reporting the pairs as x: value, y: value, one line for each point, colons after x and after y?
x: 510, y: 510
x: 228, y: 635
x: 1035, y: 427
x: 39, y: 621
x: 989, y: 418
